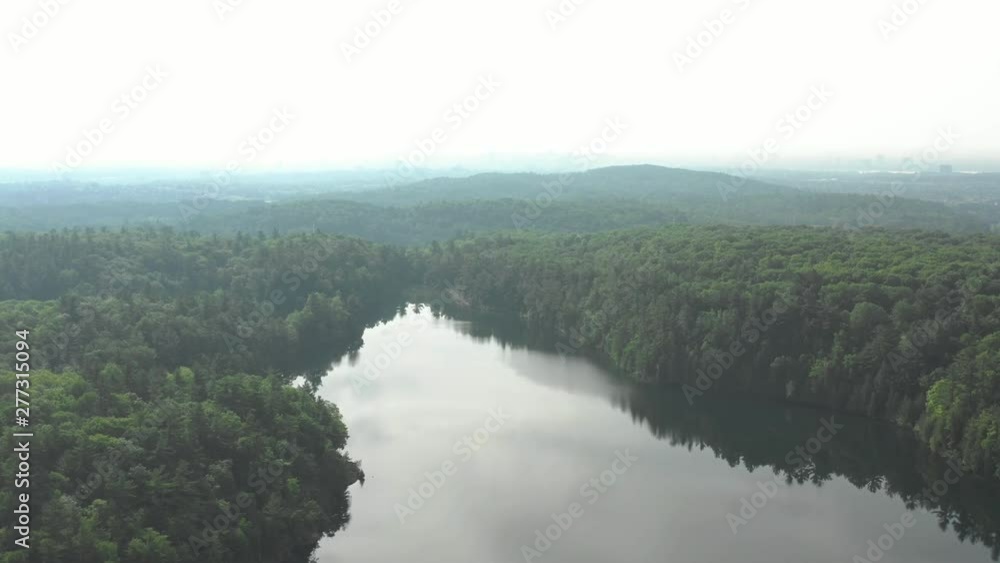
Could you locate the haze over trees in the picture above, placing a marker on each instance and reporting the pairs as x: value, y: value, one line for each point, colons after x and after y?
x: 175, y: 372
x: 445, y: 208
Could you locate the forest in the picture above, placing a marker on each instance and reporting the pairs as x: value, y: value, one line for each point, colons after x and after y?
x: 175, y: 363
x: 446, y: 208
x: 901, y: 326
x: 168, y: 428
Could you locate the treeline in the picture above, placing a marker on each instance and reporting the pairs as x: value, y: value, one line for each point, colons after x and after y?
x: 756, y: 434
x: 424, y: 222
x: 903, y: 326
x: 162, y: 360
x: 565, y: 212
x: 166, y: 428
x: 448, y: 208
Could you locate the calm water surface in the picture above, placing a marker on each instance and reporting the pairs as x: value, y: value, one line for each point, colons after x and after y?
x: 471, y: 442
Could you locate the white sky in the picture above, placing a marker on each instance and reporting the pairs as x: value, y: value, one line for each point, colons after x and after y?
x: 611, y: 58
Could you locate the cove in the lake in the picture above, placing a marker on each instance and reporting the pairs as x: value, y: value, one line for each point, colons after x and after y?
x: 480, y: 445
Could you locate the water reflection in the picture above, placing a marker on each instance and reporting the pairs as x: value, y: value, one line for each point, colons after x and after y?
x: 672, y: 506
x: 873, y: 456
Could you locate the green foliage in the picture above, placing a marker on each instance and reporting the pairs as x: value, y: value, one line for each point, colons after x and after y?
x: 147, y: 420
x: 446, y: 208
x: 808, y: 311
x: 163, y: 360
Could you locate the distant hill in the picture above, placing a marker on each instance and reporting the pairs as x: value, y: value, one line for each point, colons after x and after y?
x: 598, y: 200
x: 642, y: 182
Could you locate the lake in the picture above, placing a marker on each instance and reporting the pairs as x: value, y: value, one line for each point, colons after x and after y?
x: 479, y: 446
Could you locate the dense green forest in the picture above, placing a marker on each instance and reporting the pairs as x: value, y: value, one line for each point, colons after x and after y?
x: 447, y: 208
x: 167, y: 428
x: 174, y: 423
x: 902, y: 326
x: 544, y: 210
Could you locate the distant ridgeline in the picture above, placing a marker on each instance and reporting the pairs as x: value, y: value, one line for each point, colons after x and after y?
x: 446, y: 208
x: 902, y: 326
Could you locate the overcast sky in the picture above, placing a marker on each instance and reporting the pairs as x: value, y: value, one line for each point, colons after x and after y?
x: 558, y: 79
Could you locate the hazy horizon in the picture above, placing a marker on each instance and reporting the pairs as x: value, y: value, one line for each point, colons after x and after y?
x: 554, y: 164
x: 442, y: 84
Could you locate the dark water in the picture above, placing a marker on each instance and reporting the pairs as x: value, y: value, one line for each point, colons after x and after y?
x: 476, y: 447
